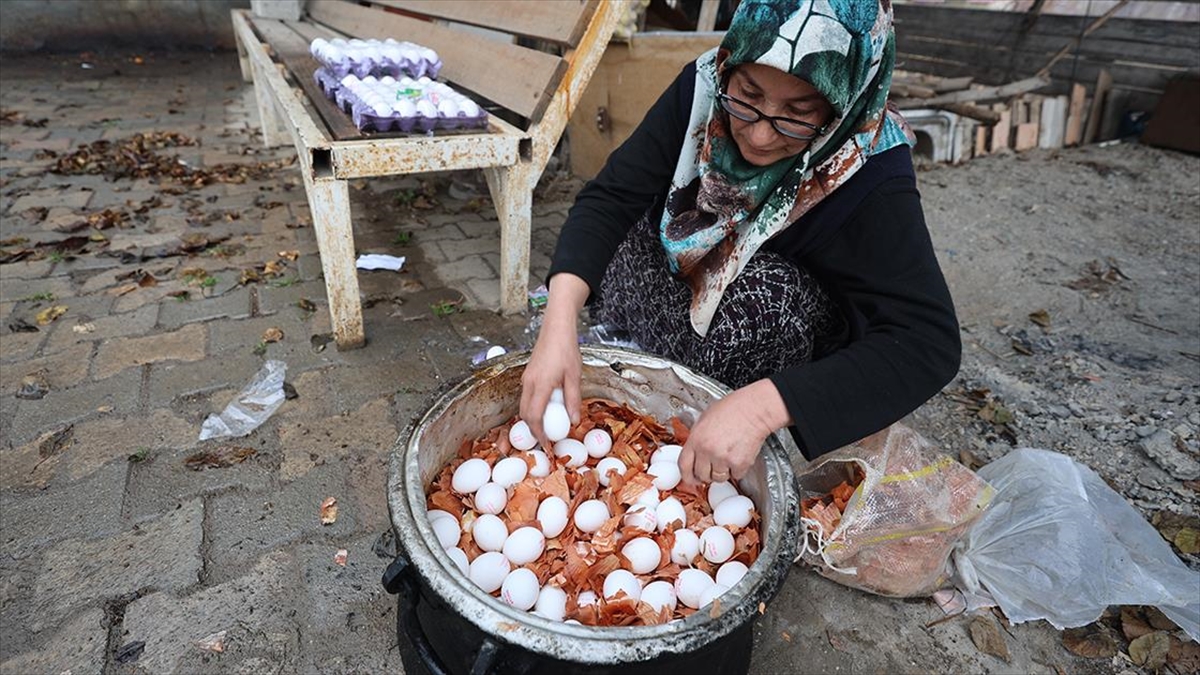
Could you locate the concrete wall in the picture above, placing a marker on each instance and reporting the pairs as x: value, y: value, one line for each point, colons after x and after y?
x: 81, y: 25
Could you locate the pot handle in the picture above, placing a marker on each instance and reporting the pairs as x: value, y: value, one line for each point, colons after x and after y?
x: 398, y: 579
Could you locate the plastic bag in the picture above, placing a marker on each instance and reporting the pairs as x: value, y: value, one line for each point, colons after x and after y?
x: 1059, y: 544
x: 252, y: 406
x: 902, y: 521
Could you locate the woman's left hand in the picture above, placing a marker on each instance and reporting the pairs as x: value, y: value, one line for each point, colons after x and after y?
x: 726, y: 440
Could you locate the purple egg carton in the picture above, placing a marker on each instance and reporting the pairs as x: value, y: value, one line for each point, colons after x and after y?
x: 366, y: 120
x: 373, y: 57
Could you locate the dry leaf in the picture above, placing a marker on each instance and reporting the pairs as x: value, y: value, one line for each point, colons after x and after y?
x: 290, y: 255
x: 762, y: 608
x: 339, y: 558
x: 104, y: 409
x: 1150, y: 651
x: 1184, y: 656
x: 1158, y: 620
x: 123, y: 289
x: 84, y: 328
x: 212, y: 643
x: 329, y: 511
x: 1041, y: 318
x: 219, y: 458
x: 787, y: 637
x: 273, y: 334
x: 1090, y: 641
x: 1133, y: 625
x: 274, y: 268
x: 48, y: 315
x: 986, y: 636
x: 306, y: 305
x: 1187, y: 541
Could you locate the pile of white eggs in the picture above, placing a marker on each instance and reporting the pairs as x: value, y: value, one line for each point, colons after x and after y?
x: 368, y: 56
x: 406, y: 97
x: 500, y: 565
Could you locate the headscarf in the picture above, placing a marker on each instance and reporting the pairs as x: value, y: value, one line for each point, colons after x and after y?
x: 720, y: 209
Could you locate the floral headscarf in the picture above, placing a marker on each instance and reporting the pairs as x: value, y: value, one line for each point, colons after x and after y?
x: 720, y: 209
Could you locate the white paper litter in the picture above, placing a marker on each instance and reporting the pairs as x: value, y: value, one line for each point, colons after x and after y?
x: 379, y: 261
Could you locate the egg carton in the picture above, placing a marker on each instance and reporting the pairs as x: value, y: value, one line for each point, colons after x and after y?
x: 375, y: 57
x: 405, y: 104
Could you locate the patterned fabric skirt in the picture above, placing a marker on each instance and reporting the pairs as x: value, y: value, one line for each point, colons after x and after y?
x: 770, y: 317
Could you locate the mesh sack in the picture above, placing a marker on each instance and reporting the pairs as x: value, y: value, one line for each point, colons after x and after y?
x: 900, y: 526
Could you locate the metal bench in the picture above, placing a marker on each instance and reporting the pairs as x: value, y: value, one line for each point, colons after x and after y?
x: 537, y: 86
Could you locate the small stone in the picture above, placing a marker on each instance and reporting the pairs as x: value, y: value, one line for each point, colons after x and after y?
x: 1183, y: 431
x: 1152, y: 477
x: 1172, y: 397
x: 1061, y: 412
x: 1194, y: 419
x: 1076, y: 409
x: 1160, y: 447
x: 1145, y: 431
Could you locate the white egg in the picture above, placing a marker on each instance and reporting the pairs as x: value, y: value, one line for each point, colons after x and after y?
x: 423, y: 80
x: 493, y: 352
x: 448, y: 108
x: 720, y: 491
x: 381, y: 109
x: 520, y: 588
x: 670, y: 510
x: 447, y: 531
x: 426, y: 109
x: 597, y: 442
x: 488, y: 570
x: 405, y: 108
x: 434, y: 514
x: 524, y: 545
x: 609, y: 464
x: 572, y: 450
x: 520, y: 436
x: 659, y: 594
x: 509, y: 471
x: 730, y: 573
x: 716, y: 543
x: 643, y: 555
x: 587, y: 598
x: 690, y: 585
x: 711, y: 594
x: 460, y: 559
x: 686, y: 548
x: 552, y: 515
x: 551, y: 603
x: 489, y: 532
x: 736, y: 511
x: 470, y: 476
x: 556, y: 423
x: 666, y: 453
x: 490, y: 498
x: 541, y: 464
x: 649, y: 498
x: 573, y: 622
x: 622, y: 580
x: 641, y: 517
x: 590, y: 515
x: 469, y: 108
x: 666, y: 475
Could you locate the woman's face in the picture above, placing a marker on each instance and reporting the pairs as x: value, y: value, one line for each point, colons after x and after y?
x: 776, y: 94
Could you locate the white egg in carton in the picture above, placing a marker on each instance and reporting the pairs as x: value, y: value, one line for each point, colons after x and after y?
x: 505, y: 564
x: 404, y: 104
x: 374, y: 57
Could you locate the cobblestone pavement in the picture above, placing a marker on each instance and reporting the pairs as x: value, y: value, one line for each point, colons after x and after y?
x: 115, y: 556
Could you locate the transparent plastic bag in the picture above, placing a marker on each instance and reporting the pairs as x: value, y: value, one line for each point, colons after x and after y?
x: 1058, y: 544
x: 252, y: 406
x: 900, y: 526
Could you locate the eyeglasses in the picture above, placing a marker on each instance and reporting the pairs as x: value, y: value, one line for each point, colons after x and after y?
x: 801, y: 131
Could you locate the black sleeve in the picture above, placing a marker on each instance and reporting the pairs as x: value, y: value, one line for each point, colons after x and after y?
x: 904, y: 344
x: 636, y: 175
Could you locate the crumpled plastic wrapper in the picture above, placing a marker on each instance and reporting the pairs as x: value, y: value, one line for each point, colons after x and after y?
x: 253, y: 405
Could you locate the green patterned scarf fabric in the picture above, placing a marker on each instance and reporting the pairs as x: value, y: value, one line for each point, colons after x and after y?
x: 720, y: 208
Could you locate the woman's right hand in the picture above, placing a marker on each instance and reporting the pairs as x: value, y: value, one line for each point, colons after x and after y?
x: 555, y: 362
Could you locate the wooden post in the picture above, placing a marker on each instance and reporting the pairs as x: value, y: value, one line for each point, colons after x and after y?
x: 1002, y: 130
x: 512, y: 196
x: 1053, y: 122
x: 981, y: 141
x: 1027, y: 129
x: 268, y: 116
x: 1074, y: 131
x: 329, y: 201
x: 1099, y: 98
x: 708, y: 15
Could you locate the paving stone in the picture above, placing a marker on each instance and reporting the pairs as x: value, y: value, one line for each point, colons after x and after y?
x: 77, y: 647
x: 253, y: 609
x: 461, y: 269
x: 15, y: 288
x: 244, y: 526
x: 51, y: 197
x: 307, y: 443
x: 273, y: 299
x: 484, y: 293
x: 91, y: 507
x: 112, y: 438
x: 171, y: 380
x: 120, y: 393
x: 104, y: 326
x: 435, y: 233
x: 63, y: 370
x: 22, y: 346
x: 24, y: 269
x: 163, y: 554
x: 234, y: 305
x: 186, y: 344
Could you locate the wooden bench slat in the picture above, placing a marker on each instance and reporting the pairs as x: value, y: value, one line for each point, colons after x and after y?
x: 522, y: 80
x: 292, y: 50
x: 558, y: 21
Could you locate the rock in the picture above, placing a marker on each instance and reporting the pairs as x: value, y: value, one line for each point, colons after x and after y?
x: 1145, y: 431
x: 1076, y: 409
x: 1194, y: 419
x: 1152, y: 477
x: 1172, y: 397
x: 1061, y: 412
x: 1160, y: 447
x: 1183, y: 431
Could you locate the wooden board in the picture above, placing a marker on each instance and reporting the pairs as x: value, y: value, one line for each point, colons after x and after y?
x: 1027, y: 136
x: 1002, y: 130
x: 981, y: 141
x: 558, y: 21
x: 1099, y: 96
x: 1053, y: 123
x: 519, y: 79
x: 1074, y: 130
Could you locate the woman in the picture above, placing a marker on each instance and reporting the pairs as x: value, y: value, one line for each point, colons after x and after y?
x: 762, y: 225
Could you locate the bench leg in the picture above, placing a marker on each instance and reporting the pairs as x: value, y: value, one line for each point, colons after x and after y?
x: 268, y: 114
x: 329, y: 201
x: 512, y: 195
x: 243, y: 60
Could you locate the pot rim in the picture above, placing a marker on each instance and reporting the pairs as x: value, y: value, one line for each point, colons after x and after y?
x: 587, y: 644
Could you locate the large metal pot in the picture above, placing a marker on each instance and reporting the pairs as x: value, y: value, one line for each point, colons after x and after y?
x: 452, y: 626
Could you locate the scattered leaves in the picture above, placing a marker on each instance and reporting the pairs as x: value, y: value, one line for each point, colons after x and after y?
x: 140, y: 456
x: 272, y: 334
x: 1179, y: 529
x: 84, y: 328
x: 1150, y: 651
x: 445, y: 308
x: 19, y: 325
x: 306, y: 305
x: 123, y: 289
x: 1098, y: 277
x: 329, y: 511
x: 1184, y: 656
x: 996, y: 413
x: 218, y: 458
x: 1091, y: 641
x: 48, y: 315
x: 987, y: 638
x: 52, y: 443
x: 289, y: 255
x: 34, y: 386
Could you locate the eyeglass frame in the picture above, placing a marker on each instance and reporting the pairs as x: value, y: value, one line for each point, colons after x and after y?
x: 817, y: 131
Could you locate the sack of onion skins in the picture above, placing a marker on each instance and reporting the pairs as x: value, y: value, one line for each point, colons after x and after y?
x: 883, y: 514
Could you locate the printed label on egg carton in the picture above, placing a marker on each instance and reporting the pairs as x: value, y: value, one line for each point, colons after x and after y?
x: 373, y: 57
x: 407, y: 105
